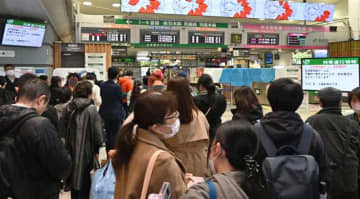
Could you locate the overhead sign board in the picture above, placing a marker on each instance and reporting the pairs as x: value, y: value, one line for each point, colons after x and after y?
x: 258, y: 9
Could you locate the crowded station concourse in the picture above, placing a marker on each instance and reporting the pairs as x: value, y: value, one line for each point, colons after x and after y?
x: 179, y: 99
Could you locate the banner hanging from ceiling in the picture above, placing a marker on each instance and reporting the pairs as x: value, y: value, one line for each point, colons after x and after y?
x: 256, y: 9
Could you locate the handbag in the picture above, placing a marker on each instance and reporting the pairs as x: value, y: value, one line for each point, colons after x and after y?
x: 149, y: 170
x: 103, y: 184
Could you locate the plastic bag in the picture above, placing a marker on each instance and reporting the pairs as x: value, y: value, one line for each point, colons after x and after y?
x: 103, y: 184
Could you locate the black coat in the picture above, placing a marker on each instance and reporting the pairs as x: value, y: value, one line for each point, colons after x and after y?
x: 286, y: 128
x: 112, y: 97
x: 51, y: 114
x: 337, y: 133
x: 251, y: 116
x: 38, y: 160
x: 84, y: 137
x: 214, y: 116
x: 10, y: 87
x: 5, y: 97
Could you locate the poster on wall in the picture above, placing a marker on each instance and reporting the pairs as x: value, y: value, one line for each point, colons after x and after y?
x: 258, y: 9
x: 96, y: 61
x: 330, y: 72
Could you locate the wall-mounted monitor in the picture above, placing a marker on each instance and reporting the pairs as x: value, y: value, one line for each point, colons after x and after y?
x: 23, y: 33
x: 297, y: 39
x: 319, y: 73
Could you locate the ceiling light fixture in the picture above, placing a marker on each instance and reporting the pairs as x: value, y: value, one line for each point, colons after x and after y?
x: 116, y: 5
x: 87, y: 3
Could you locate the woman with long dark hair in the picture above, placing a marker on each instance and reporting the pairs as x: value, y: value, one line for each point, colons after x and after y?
x: 155, y: 120
x: 212, y: 104
x: 190, y: 145
x: 247, y: 105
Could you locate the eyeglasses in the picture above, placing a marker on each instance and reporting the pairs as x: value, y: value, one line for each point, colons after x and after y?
x: 173, y: 116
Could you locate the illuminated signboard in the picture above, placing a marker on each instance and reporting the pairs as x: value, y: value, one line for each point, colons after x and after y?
x: 105, y: 35
x: 296, y: 39
x: 160, y: 36
x: 206, y: 38
x: 236, y: 38
x: 263, y: 39
x: 258, y: 9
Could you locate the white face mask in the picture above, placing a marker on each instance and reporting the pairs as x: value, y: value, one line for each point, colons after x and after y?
x: 175, y: 127
x: 356, y: 107
x: 212, y: 166
x: 10, y: 72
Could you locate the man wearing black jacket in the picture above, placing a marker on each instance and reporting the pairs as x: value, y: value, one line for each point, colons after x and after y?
x: 33, y: 160
x: 9, y: 70
x: 284, y: 126
x: 341, y: 140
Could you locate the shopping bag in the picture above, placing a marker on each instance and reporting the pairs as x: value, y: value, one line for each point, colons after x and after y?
x: 103, y: 184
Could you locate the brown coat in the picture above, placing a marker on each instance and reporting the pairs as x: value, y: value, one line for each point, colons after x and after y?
x: 191, y: 144
x: 130, y: 177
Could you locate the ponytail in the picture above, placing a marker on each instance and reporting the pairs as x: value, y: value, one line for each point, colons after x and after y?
x: 212, y: 95
x: 125, y: 144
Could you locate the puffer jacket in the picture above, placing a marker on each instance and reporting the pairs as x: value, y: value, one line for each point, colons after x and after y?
x: 83, y: 138
x: 35, y: 160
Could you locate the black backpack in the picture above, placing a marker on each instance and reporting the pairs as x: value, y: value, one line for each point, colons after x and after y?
x: 9, y: 158
x: 289, y: 172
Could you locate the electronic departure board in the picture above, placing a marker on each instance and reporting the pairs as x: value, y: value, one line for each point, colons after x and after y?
x: 297, y: 39
x: 160, y: 36
x: 206, y: 37
x: 105, y: 35
x: 263, y: 39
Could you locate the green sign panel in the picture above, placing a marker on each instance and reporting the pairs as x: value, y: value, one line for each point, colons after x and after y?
x: 24, y: 23
x: 162, y: 45
x: 170, y: 23
x: 331, y: 61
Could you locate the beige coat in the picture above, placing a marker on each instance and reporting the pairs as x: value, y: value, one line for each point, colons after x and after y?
x: 191, y: 144
x: 130, y: 177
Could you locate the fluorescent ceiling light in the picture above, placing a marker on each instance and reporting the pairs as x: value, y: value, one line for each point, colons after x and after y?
x: 87, y: 3
x: 116, y: 5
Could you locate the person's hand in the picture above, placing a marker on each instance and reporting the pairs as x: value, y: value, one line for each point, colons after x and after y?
x: 112, y: 153
x: 188, y: 177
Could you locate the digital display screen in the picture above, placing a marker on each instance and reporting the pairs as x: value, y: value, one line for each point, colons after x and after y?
x: 258, y: 9
x: 268, y: 58
x: 236, y: 38
x: 297, y: 39
x: 317, y: 74
x: 321, y: 53
x: 263, y: 39
x: 22, y: 33
x: 160, y: 36
x: 105, y: 35
x: 206, y: 37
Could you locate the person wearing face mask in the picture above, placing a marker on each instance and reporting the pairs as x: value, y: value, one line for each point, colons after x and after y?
x: 191, y: 144
x: 9, y: 70
x: 155, y: 120
x: 341, y: 138
x: 33, y: 159
x: 231, y: 161
x: 354, y: 103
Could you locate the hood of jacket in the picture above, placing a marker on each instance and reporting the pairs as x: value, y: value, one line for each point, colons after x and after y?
x: 79, y: 104
x: 251, y: 116
x: 283, y: 126
x: 11, y: 115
